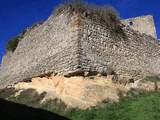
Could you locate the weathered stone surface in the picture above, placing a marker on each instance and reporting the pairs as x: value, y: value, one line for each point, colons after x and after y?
x: 6, y: 58
x: 73, y: 44
x: 50, y: 47
x: 125, y: 52
x: 144, y: 85
x: 81, y: 92
x: 143, y: 24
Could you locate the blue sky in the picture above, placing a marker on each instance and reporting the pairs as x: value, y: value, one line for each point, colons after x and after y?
x: 16, y: 15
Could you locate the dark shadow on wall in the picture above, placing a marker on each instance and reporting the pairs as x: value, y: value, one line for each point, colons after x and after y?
x: 14, y: 111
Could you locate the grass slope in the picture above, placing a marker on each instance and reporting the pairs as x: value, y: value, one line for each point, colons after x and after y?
x: 143, y: 107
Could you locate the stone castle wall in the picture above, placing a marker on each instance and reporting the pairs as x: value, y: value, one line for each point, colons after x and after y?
x: 72, y: 44
x: 130, y: 52
x: 143, y: 24
x: 6, y: 58
x: 50, y: 47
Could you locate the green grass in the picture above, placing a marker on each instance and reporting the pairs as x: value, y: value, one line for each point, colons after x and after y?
x: 56, y: 106
x: 142, y: 107
x: 138, y: 105
x: 152, y: 78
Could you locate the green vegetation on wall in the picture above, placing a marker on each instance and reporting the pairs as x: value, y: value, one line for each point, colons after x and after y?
x: 13, y: 42
x: 106, y: 14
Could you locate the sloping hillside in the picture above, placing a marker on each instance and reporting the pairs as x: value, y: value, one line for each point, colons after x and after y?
x: 143, y: 107
x: 138, y: 105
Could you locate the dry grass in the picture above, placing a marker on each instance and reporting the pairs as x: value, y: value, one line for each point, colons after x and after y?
x: 105, y: 14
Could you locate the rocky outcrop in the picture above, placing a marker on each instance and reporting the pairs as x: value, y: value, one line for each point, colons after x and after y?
x: 145, y: 85
x: 81, y: 92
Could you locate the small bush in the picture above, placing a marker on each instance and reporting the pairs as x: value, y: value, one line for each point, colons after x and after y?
x: 12, y: 44
x: 107, y: 15
x: 136, y: 106
x: 152, y: 78
x: 56, y: 106
x: 7, y: 93
x: 36, y: 24
x: 29, y: 97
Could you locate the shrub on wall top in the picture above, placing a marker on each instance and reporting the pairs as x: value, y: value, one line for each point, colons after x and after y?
x: 107, y: 14
x: 12, y: 44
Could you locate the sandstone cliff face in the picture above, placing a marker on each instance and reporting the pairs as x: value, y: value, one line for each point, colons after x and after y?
x: 74, y: 44
x: 81, y: 92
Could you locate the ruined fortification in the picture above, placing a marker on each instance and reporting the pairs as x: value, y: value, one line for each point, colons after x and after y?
x: 76, y: 42
x: 143, y: 24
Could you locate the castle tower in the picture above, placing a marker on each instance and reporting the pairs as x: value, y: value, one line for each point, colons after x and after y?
x: 143, y: 24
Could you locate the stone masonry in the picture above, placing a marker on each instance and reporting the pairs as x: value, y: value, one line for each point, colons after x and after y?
x: 70, y: 44
x: 143, y: 24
